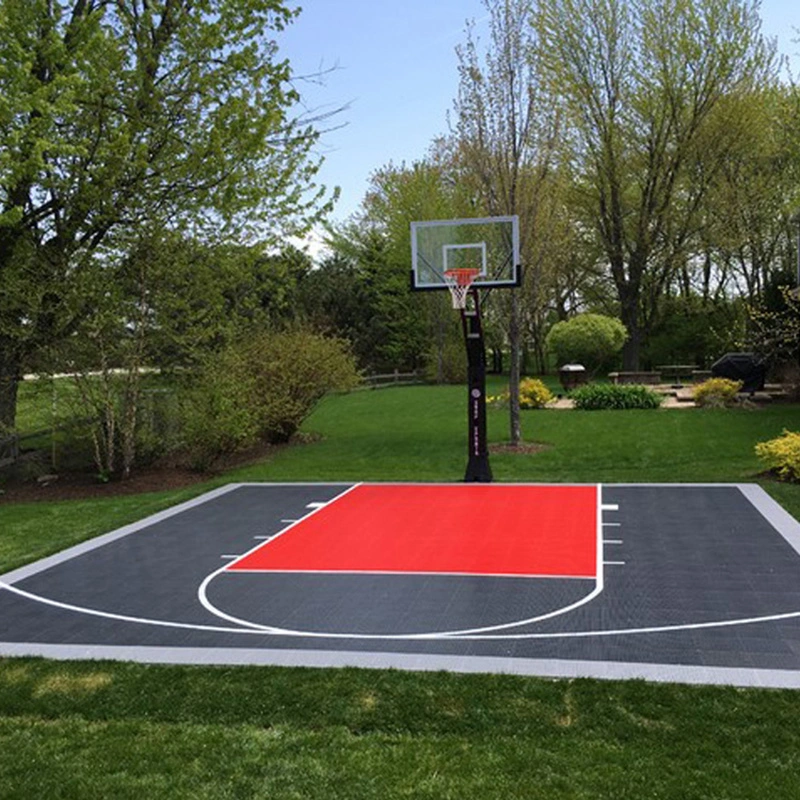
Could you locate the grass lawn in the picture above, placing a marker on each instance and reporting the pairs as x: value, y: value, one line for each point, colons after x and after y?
x: 100, y: 730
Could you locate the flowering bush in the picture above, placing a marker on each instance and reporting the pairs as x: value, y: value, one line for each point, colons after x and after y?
x: 782, y: 455
x: 497, y: 399
x: 533, y: 394
x: 716, y: 392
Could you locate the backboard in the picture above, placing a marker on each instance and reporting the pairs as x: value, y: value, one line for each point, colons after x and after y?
x: 488, y: 244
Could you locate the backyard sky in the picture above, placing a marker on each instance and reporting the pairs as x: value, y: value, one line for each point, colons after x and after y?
x: 392, y: 66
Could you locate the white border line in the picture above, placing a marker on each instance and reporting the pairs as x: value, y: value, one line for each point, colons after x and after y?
x: 202, y: 592
x: 106, y: 538
x: 785, y: 524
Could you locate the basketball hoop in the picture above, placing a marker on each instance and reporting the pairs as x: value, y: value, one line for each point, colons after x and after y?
x: 459, y: 282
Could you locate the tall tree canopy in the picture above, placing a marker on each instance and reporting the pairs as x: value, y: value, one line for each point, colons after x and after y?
x: 646, y: 83
x: 505, y: 137
x: 115, y: 115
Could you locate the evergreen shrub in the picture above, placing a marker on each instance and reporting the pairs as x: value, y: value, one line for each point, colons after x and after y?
x: 602, y: 396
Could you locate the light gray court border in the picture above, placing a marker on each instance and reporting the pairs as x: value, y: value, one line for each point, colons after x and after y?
x: 106, y: 538
x: 782, y: 521
x: 422, y: 662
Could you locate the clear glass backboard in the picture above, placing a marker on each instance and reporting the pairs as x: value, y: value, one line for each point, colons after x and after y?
x: 489, y: 245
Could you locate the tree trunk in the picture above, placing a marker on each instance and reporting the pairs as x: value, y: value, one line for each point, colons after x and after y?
x: 10, y: 377
x: 629, y: 313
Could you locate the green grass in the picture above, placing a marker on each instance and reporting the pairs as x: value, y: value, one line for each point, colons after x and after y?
x: 43, y: 403
x: 29, y: 531
x: 99, y: 730
x: 418, y: 433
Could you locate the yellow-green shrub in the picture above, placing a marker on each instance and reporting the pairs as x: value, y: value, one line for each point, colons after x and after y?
x: 533, y: 394
x: 782, y: 455
x: 716, y: 392
x: 497, y: 399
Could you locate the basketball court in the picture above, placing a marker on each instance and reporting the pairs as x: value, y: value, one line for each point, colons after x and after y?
x: 693, y: 583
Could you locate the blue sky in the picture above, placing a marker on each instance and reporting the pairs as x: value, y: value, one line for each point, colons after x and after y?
x: 393, y: 65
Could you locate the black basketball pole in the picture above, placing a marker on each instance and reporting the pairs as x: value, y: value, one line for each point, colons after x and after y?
x: 478, y: 469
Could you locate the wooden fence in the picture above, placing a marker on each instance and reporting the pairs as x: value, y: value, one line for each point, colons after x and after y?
x: 395, y: 378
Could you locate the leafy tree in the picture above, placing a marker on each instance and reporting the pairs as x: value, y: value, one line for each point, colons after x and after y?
x: 505, y: 140
x: 199, y: 295
x: 383, y: 317
x: 775, y: 331
x: 645, y: 82
x: 163, y: 113
x: 407, y: 327
x: 692, y: 330
x: 748, y: 233
x: 332, y: 299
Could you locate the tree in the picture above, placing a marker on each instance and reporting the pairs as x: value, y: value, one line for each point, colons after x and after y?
x: 645, y: 83
x: 408, y: 327
x: 200, y: 296
x: 165, y: 301
x: 334, y: 299
x: 164, y: 113
x: 696, y: 330
x: 748, y: 233
x: 387, y: 329
x: 505, y: 137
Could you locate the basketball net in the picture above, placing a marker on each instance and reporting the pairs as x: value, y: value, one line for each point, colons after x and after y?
x: 459, y: 282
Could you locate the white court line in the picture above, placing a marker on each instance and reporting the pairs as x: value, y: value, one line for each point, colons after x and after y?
x: 612, y: 541
x: 202, y: 589
x: 689, y: 626
x: 264, y: 631
x: 316, y: 506
x: 88, y: 546
x: 94, y: 612
x: 202, y: 594
x: 521, y: 576
x: 785, y: 525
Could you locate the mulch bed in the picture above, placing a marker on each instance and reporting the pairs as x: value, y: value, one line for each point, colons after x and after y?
x: 165, y: 476
x: 158, y: 477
